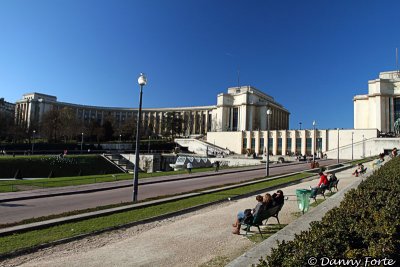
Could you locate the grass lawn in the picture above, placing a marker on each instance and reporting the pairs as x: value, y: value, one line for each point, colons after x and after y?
x: 32, y: 238
x: 38, y: 166
x: 266, y: 230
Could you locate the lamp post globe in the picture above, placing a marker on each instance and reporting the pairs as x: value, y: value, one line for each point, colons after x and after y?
x: 269, y: 112
x: 142, y: 81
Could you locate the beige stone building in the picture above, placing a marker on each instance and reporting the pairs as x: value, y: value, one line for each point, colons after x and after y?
x: 240, y: 109
x: 293, y: 142
x: 380, y: 108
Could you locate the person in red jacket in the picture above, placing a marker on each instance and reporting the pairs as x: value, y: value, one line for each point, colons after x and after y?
x: 323, y: 179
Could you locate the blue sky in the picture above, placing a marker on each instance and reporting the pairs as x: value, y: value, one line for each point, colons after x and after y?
x: 311, y: 56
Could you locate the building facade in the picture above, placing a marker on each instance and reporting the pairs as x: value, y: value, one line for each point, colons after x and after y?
x: 292, y: 142
x: 7, y: 108
x: 241, y: 109
x: 380, y: 108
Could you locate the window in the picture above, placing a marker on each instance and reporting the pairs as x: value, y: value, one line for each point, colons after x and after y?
x: 270, y: 145
x: 261, y: 148
x: 319, y: 145
x: 308, y: 146
x: 396, y: 102
x: 233, y: 119
x: 288, y: 144
x: 279, y: 151
x: 253, y: 144
x: 244, y: 143
x: 298, y: 145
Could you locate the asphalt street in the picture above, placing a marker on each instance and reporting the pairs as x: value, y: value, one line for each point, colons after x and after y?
x: 14, y: 211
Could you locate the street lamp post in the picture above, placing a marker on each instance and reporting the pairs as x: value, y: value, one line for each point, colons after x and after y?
x: 352, y: 142
x: 269, y: 112
x: 82, y: 144
x: 338, y: 145
x: 315, y: 139
x: 119, y: 147
x: 33, y: 140
x: 300, y: 125
x: 142, y: 80
x: 363, y: 146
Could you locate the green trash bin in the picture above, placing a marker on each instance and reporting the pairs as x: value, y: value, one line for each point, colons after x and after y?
x: 303, y: 199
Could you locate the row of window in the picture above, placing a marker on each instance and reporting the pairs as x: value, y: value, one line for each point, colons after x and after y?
x: 288, y: 144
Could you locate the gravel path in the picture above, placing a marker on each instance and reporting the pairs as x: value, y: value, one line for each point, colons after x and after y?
x: 198, y: 238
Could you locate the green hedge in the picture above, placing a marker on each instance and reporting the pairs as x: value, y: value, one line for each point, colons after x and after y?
x: 53, y: 166
x: 367, y: 224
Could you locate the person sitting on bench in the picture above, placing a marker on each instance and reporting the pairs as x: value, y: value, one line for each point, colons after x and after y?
x: 379, y: 161
x: 393, y: 154
x: 278, y: 198
x: 268, y: 201
x: 323, y: 182
x: 248, y: 214
x: 332, y: 177
x: 360, y: 169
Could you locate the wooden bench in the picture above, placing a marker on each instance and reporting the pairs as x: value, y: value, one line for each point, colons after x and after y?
x: 363, y: 171
x: 321, y: 190
x: 318, y: 191
x: 333, y: 185
x: 264, y: 216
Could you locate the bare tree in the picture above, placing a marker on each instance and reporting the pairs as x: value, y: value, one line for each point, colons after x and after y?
x: 109, y: 127
x: 128, y: 129
x: 51, y: 124
x: 70, y: 126
x: 6, y: 122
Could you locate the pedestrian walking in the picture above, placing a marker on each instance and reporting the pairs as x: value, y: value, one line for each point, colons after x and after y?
x: 216, y: 166
x: 189, y: 167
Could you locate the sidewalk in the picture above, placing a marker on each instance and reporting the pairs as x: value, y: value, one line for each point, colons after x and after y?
x: 188, y: 240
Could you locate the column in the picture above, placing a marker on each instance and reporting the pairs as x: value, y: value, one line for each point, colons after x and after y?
x: 303, y: 141
x: 195, y: 126
x: 275, y: 142
x: 200, y: 122
x: 206, y: 122
x: 284, y: 143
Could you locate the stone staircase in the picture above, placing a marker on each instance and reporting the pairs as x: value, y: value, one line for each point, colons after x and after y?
x: 120, y: 162
x: 201, y: 147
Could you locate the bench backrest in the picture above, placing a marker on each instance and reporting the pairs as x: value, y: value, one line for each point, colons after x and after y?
x: 333, y: 183
x: 267, y: 214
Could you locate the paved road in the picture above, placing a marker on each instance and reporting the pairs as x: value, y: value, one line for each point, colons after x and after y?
x: 25, y: 209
